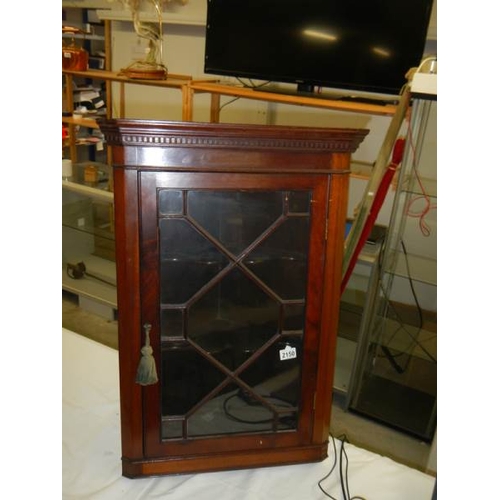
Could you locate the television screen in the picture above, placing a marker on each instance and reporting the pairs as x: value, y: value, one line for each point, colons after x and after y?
x: 359, y: 45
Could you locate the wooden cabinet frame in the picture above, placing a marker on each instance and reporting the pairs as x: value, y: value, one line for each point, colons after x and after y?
x: 149, y: 155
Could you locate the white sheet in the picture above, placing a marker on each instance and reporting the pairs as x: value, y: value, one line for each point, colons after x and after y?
x: 92, y: 463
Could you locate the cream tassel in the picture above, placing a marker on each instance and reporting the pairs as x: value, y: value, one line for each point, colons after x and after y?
x: 146, y: 371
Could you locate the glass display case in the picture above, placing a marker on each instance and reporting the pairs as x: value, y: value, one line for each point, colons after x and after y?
x: 397, y: 384
x: 88, y: 241
x: 356, y: 310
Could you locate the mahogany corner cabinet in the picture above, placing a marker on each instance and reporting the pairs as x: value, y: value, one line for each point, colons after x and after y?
x: 229, y: 242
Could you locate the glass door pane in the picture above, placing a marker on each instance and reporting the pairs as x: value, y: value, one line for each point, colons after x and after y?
x: 233, y: 282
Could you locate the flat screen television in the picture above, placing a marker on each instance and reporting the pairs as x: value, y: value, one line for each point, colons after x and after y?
x: 364, y: 46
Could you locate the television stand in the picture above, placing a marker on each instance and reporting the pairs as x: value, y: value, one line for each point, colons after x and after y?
x: 279, y: 95
x: 367, y: 100
x: 304, y: 90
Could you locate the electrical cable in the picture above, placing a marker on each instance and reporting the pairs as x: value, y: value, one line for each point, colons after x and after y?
x: 425, y: 61
x: 399, y: 318
x: 412, y: 346
x: 345, y: 488
x: 387, y: 353
x: 330, y: 472
x: 284, y: 419
x: 412, y: 286
x: 228, y: 102
x: 252, y: 85
x: 415, y: 340
x: 344, y: 481
x: 422, y: 214
x: 343, y: 452
x: 241, y: 420
x: 415, y: 298
x: 245, y: 85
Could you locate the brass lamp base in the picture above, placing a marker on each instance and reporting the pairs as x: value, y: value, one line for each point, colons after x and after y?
x: 145, y: 71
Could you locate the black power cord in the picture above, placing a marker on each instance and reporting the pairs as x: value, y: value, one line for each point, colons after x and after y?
x: 287, y: 419
x: 344, y: 479
x: 414, y: 338
x: 330, y: 472
x: 247, y: 86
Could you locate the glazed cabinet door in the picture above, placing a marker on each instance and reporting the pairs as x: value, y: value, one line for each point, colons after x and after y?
x: 231, y: 273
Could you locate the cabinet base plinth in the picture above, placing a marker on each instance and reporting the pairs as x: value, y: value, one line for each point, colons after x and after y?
x: 227, y: 461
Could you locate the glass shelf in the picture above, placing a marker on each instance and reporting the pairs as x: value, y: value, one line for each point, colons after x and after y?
x: 89, y: 216
x: 100, y: 190
x: 416, y: 267
x: 103, y: 292
x: 88, y: 237
x: 427, y: 186
x: 87, y: 209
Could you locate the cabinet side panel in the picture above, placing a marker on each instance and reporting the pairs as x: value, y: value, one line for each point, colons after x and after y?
x: 127, y: 269
x: 337, y: 212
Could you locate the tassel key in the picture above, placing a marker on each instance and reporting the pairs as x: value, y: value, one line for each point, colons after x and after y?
x: 146, y: 371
